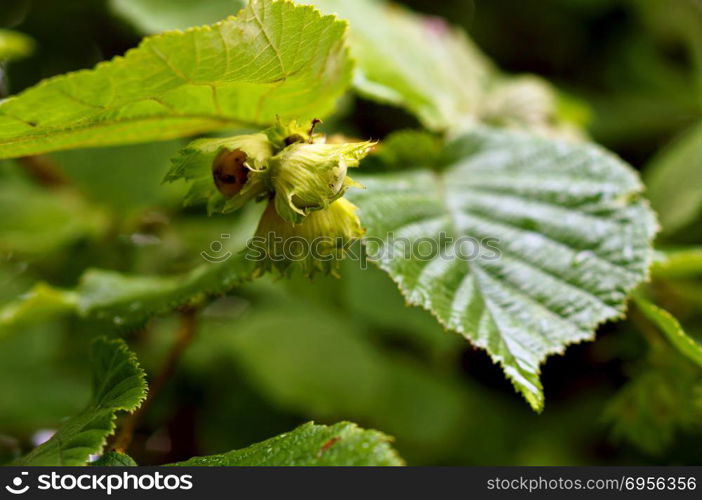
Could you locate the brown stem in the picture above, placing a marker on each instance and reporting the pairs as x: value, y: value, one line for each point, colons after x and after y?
x: 185, y: 336
x: 43, y: 170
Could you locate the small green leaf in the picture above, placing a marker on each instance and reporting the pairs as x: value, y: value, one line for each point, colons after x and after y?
x: 129, y: 300
x: 671, y: 328
x: 14, y: 45
x: 155, y: 16
x: 274, y: 58
x: 674, y: 181
x: 118, y: 385
x: 342, y: 444
x: 522, y: 244
x: 114, y: 459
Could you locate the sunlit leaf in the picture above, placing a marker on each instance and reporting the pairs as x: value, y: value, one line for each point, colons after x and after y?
x: 521, y: 244
x: 274, y: 58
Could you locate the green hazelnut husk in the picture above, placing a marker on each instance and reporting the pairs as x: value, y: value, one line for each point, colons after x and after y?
x: 286, y: 133
x: 238, y: 167
x: 309, y: 177
x: 317, y: 245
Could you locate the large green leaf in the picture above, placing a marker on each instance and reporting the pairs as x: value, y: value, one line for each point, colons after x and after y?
x: 154, y: 16
x: 559, y: 236
x: 118, y: 385
x: 342, y: 444
x: 274, y: 58
x: 674, y: 181
x: 404, y: 59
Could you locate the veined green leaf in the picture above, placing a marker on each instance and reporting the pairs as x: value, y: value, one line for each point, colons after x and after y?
x: 523, y: 245
x: 674, y: 181
x: 155, y: 16
x: 342, y: 444
x: 14, y: 45
x: 273, y: 58
x: 409, y: 60
x: 671, y: 328
x: 420, y: 63
x: 118, y: 385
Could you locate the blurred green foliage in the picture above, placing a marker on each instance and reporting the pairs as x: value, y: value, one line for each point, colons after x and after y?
x: 272, y: 355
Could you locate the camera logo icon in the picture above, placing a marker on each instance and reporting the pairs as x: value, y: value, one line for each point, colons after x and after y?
x: 16, y: 487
